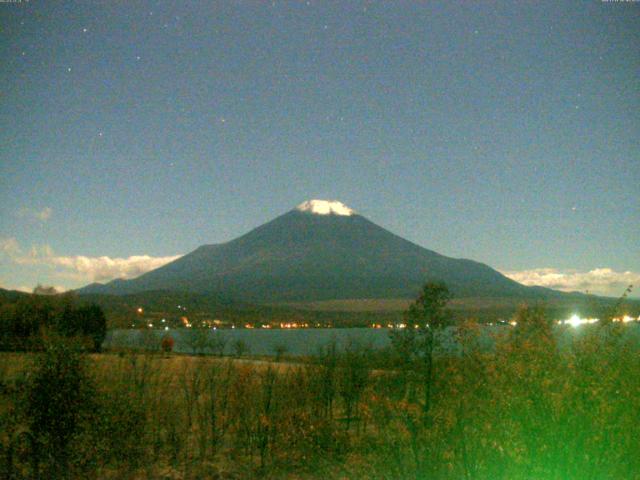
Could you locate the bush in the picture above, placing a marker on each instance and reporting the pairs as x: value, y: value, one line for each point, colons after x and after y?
x: 167, y: 344
x: 59, y: 401
x: 22, y: 323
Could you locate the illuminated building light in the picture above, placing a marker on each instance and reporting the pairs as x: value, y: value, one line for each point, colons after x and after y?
x: 575, y: 321
x: 623, y: 319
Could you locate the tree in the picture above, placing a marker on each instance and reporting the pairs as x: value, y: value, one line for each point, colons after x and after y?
x: 240, y: 347
x: 426, y: 317
x: 59, y: 396
x: 280, y: 350
x: 353, y: 377
x: 94, y: 325
x: 88, y: 321
x: 197, y: 340
x: 218, y: 343
x: 167, y: 344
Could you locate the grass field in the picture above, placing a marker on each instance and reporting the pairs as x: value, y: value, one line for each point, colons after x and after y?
x: 526, y: 410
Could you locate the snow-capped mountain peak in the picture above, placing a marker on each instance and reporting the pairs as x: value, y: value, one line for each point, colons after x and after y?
x: 325, y: 207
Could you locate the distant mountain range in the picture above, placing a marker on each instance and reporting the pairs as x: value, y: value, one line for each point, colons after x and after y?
x: 320, y: 251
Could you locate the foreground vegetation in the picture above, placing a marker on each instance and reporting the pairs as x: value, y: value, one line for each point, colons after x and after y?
x: 27, y: 320
x: 524, y: 410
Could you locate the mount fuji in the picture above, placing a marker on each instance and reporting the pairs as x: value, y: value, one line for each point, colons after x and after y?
x: 320, y: 250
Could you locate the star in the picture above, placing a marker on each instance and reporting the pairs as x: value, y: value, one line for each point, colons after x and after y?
x: 84, y: 30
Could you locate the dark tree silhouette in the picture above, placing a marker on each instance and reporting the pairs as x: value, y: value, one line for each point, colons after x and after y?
x: 424, y: 319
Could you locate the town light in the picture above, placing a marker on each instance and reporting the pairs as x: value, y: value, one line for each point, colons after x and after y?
x: 574, y: 321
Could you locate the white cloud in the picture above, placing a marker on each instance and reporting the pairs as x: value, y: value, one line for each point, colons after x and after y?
x: 9, y: 246
x: 100, y: 269
x: 80, y: 267
x: 41, y: 215
x: 604, y: 281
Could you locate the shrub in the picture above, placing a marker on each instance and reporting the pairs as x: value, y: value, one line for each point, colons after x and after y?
x: 59, y: 400
x: 167, y: 344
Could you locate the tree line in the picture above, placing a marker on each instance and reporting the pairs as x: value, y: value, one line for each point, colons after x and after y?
x: 26, y: 322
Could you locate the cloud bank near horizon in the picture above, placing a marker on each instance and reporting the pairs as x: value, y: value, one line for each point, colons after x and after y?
x: 603, y: 281
x: 82, y: 268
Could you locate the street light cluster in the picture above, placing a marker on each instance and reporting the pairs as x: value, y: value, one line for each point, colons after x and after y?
x: 575, y: 320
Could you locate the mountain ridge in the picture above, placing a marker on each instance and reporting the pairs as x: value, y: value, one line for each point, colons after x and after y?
x: 304, y: 255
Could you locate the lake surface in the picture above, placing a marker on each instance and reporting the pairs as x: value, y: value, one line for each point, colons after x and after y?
x: 302, y: 341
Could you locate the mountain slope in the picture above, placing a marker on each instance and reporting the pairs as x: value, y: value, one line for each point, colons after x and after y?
x: 306, y: 255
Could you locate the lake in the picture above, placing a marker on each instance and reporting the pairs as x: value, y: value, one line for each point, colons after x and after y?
x: 300, y: 341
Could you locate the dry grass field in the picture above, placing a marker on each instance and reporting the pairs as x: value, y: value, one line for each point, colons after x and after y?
x: 525, y: 410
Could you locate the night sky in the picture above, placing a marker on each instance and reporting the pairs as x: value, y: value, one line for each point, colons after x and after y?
x: 132, y: 132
